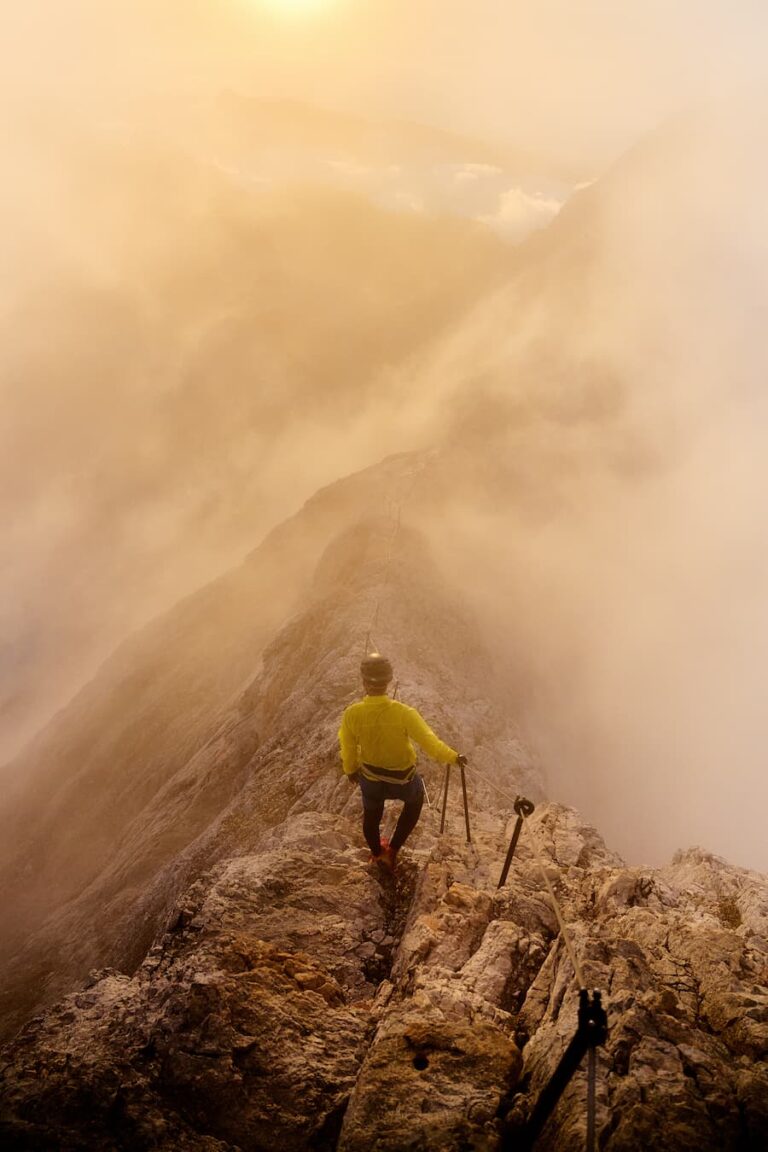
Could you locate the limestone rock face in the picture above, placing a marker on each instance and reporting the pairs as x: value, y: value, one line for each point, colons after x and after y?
x: 685, y: 989
x: 225, y: 1037
x: 301, y: 1000
x: 270, y: 988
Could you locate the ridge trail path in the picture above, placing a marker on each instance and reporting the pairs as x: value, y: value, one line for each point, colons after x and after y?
x: 256, y: 986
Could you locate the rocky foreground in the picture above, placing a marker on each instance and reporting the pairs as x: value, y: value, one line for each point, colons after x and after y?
x: 272, y: 990
x: 300, y: 1001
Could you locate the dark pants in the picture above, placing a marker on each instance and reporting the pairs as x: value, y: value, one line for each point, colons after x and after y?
x: 374, y: 795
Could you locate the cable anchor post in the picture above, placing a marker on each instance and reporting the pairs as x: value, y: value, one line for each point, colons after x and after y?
x: 592, y: 1029
x: 591, y: 1097
x: 594, y: 1020
x: 523, y: 808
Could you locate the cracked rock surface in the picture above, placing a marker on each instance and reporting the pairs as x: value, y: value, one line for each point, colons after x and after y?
x: 269, y: 988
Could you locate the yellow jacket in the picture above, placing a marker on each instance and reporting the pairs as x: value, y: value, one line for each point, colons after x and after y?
x: 375, y: 738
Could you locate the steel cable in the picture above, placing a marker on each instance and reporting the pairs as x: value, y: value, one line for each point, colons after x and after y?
x: 537, y: 858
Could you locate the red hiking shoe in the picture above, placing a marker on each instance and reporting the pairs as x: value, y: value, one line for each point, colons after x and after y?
x: 387, y: 858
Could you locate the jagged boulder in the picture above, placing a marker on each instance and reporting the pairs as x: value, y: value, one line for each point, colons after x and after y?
x: 430, y: 1082
x: 230, y: 1035
x: 686, y: 997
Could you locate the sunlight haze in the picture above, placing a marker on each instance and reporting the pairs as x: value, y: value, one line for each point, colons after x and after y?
x: 252, y: 247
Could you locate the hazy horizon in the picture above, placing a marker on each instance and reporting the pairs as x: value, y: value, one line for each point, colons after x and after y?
x: 248, y: 251
x: 578, y: 83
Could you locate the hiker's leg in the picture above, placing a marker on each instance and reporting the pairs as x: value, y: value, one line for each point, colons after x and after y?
x: 371, y: 821
x: 409, y: 817
x: 373, y: 810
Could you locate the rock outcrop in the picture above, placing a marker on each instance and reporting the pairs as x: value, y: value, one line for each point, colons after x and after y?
x: 268, y: 988
x: 298, y: 1000
x: 150, y: 753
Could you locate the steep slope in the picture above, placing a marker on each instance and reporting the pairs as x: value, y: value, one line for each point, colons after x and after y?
x: 295, y: 998
x: 157, y: 702
x: 94, y: 871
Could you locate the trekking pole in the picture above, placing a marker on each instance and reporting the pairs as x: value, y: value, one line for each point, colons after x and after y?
x: 523, y: 808
x: 466, y: 805
x: 445, y: 797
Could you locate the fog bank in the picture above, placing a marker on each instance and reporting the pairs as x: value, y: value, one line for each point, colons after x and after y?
x: 617, y: 542
x: 212, y: 302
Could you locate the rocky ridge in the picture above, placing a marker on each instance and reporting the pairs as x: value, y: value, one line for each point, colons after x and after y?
x: 272, y: 990
x: 148, y: 755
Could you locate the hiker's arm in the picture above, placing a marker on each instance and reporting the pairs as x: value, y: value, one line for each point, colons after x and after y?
x: 350, y: 752
x: 420, y: 731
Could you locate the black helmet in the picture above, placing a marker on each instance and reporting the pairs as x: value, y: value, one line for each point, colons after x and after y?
x: 376, y: 669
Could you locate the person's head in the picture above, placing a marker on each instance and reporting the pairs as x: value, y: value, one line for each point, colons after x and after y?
x: 376, y: 672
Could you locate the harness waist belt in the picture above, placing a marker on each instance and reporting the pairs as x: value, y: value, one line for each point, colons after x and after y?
x: 401, y: 774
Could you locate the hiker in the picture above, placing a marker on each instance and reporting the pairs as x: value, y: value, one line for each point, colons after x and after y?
x: 377, y: 753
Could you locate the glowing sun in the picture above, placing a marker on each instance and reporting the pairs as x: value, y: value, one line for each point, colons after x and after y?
x: 294, y: 7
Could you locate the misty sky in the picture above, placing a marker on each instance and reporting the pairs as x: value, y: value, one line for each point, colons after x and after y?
x: 153, y: 267
x: 576, y: 80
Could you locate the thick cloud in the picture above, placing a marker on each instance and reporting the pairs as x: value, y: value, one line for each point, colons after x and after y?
x: 610, y: 411
x: 189, y: 350
x: 522, y: 212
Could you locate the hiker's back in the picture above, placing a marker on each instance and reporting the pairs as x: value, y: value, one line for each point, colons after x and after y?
x: 380, y: 726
